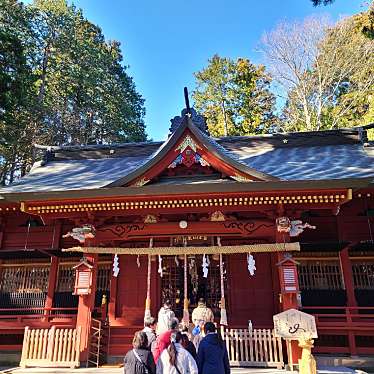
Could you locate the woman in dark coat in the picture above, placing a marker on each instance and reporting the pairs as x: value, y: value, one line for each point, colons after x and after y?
x: 140, y: 359
x: 212, y: 357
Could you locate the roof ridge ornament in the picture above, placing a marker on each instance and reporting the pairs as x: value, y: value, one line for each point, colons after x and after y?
x: 197, y: 119
x: 187, y: 101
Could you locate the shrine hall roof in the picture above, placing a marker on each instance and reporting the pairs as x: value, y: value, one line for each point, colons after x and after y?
x: 337, y: 154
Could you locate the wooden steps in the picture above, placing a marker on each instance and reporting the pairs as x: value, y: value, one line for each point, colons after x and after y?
x: 120, y: 339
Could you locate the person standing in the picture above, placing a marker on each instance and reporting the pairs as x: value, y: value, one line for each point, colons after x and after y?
x: 212, y: 357
x: 202, y: 314
x: 175, y: 359
x: 139, y: 360
x: 198, y: 334
x: 163, y: 340
x: 189, y: 346
x: 165, y: 315
x: 149, y: 329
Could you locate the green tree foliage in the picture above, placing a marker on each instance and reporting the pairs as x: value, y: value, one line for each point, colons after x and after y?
x: 234, y: 97
x: 364, y: 21
x: 17, y: 81
x: 61, y: 83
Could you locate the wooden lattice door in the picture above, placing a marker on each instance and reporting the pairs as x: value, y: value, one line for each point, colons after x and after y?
x: 198, y: 286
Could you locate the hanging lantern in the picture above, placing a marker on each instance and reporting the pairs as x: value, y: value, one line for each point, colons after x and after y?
x: 288, y: 275
x: 83, y: 277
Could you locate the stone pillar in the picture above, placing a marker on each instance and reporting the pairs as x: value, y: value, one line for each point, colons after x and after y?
x: 86, y: 305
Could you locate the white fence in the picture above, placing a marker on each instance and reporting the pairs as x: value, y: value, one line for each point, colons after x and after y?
x: 258, y: 347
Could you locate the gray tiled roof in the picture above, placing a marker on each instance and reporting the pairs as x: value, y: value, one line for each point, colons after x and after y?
x: 270, y: 155
x: 75, y: 174
x: 314, y: 163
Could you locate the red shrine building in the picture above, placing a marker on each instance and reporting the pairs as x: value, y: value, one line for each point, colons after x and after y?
x: 255, y: 225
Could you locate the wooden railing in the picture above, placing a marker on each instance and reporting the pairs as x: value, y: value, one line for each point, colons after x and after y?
x: 258, y: 347
x: 54, y: 347
x: 363, y: 274
x: 25, y: 316
x: 351, y: 322
x: 320, y: 275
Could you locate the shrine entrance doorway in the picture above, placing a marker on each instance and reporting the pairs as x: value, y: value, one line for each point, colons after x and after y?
x: 198, y: 287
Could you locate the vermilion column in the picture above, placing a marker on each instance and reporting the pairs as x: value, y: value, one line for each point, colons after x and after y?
x: 112, y: 297
x: 86, y: 305
x: 52, y: 280
x: 289, y: 300
x: 346, y: 266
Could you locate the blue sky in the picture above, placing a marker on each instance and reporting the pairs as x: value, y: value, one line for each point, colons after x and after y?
x: 166, y: 41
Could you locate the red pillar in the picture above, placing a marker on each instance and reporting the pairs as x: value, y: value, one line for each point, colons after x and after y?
x: 52, y: 280
x: 346, y: 266
x: 112, y: 298
x: 86, y: 305
x: 288, y: 300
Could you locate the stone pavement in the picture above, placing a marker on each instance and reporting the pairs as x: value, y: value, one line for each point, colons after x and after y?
x: 116, y: 370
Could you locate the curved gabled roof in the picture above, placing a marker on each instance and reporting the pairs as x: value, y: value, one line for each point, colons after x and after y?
x: 166, y: 152
x: 305, y: 156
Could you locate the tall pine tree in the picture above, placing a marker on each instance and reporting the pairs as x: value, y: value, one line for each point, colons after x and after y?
x: 62, y: 83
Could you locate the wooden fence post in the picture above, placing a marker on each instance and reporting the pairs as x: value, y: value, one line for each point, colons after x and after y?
x: 50, y: 344
x: 77, y: 346
x: 25, y: 347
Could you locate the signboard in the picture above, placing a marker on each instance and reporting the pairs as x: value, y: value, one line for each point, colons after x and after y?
x: 293, y: 324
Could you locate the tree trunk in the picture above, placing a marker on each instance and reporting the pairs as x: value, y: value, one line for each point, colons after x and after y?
x: 225, y: 128
x: 44, y: 73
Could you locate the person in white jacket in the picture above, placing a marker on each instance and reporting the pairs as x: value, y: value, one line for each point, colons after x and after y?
x: 165, y: 316
x: 175, y: 359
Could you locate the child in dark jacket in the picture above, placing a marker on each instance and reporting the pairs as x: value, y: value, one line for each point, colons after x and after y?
x: 212, y: 357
